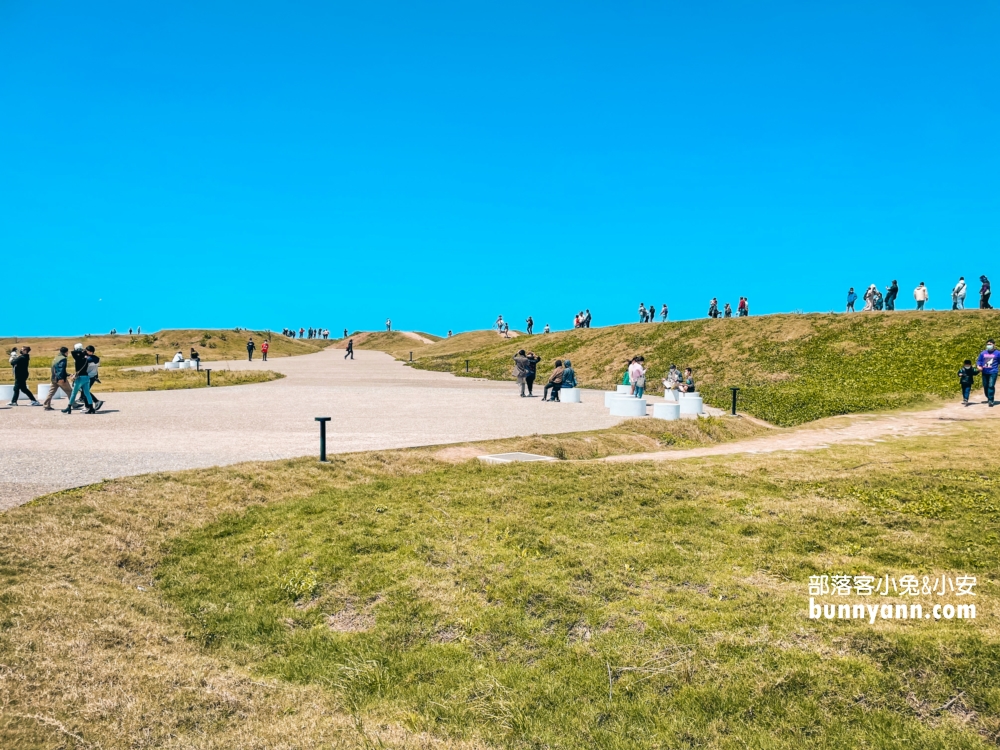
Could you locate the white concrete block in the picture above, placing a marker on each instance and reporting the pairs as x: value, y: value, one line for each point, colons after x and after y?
x: 626, y: 389
x: 43, y: 392
x: 669, y: 411
x: 627, y: 406
x: 569, y: 395
x: 608, y: 395
x: 172, y: 366
x: 691, y: 405
x: 671, y: 396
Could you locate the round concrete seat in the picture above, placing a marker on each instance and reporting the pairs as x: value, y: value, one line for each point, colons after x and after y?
x: 691, y: 405
x: 670, y: 395
x: 172, y: 366
x: 627, y: 406
x: 43, y: 391
x: 569, y: 395
x: 6, y: 393
x: 626, y: 389
x: 668, y: 411
x: 691, y: 394
x: 608, y: 395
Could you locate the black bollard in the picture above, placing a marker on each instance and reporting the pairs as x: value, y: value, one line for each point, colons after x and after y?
x: 322, y: 437
x: 735, y: 391
x: 157, y: 359
x: 208, y: 377
x: 411, y: 356
x: 466, y: 365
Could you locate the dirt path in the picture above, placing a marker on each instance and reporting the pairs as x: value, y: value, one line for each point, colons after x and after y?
x: 858, y: 428
x: 417, y: 337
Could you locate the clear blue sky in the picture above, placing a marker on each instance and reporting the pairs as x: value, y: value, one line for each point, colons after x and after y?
x: 270, y: 164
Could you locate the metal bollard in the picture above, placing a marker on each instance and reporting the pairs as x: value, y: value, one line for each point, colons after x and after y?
x: 411, y: 356
x: 157, y: 359
x: 322, y: 437
x: 735, y: 391
x: 208, y: 377
x: 466, y: 365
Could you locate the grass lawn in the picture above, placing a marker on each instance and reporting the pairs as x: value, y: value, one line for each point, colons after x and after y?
x: 791, y: 368
x: 394, y: 599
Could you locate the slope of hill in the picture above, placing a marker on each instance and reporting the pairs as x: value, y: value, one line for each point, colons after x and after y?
x: 790, y: 368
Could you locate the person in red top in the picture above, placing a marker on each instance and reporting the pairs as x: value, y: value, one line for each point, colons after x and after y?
x: 264, y: 347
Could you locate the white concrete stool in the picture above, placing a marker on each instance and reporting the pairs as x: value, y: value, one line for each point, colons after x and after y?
x: 608, y: 395
x: 43, y: 391
x: 627, y: 406
x: 569, y: 395
x: 691, y: 394
x: 670, y: 395
x: 6, y: 393
x: 172, y: 366
x: 691, y: 405
x: 668, y: 411
x: 626, y: 389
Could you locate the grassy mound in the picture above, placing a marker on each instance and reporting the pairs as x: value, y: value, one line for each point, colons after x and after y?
x: 791, y: 368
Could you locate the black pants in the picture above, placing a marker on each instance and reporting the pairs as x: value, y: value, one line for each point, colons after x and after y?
x: 21, y: 385
x: 529, y: 380
x: 250, y: 355
x: 555, y: 391
x: 264, y: 356
x: 890, y: 302
x: 984, y: 301
x: 350, y: 353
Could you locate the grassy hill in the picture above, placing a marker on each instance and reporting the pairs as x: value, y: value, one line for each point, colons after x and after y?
x: 791, y: 368
x: 123, y: 350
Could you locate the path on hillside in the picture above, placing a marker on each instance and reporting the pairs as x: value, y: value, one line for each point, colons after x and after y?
x: 417, y: 337
x: 857, y: 428
x: 375, y: 402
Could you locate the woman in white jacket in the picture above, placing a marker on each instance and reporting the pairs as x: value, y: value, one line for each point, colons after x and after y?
x: 870, y: 298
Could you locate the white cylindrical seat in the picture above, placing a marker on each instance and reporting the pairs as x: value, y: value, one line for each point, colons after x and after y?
x: 569, y: 395
x: 608, y: 395
x: 627, y: 406
x: 669, y: 411
x: 172, y: 366
x: 6, y: 393
x: 691, y: 394
x: 671, y: 395
x: 626, y: 389
x: 691, y: 405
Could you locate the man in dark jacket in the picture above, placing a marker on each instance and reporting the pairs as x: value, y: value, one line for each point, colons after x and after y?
x: 529, y: 377
x: 93, y: 372
x: 20, y: 365
x: 984, y: 296
x: 60, y: 379
x: 250, y: 347
x: 891, y: 292
x: 81, y: 380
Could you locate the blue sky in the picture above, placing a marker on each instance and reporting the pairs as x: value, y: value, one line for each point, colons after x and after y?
x: 269, y: 164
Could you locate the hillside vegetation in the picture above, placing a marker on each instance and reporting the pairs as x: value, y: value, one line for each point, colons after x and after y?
x: 790, y: 368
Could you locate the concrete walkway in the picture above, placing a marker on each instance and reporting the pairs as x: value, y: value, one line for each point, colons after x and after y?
x: 375, y: 403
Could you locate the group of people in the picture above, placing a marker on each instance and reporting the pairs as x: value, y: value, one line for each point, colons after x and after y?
x: 86, y: 372
x: 307, y: 333
x: 635, y: 376
x: 530, y: 326
x: 525, y: 370
x: 742, y: 309
x: 582, y: 319
x: 875, y: 300
x: 648, y: 315
x: 251, y: 347
x: 986, y: 366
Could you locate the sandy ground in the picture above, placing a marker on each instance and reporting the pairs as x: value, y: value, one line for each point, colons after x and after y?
x: 857, y: 429
x: 375, y: 402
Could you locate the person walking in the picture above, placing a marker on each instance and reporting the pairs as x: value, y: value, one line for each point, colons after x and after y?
x: 921, y: 295
x: 94, y: 376
x: 987, y: 363
x: 532, y: 370
x: 350, y: 349
x: 265, y: 345
x: 521, y: 370
x: 966, y: 378
x: 531, y: 324
x: 251, y: 346
x: 851, y: 299
x: 20, y: 365
x: 60, y: 378
x: 891, y: 292
x: 743, y: 310
x: 642, y: 313
x: 81, y: 380
x: 713, y: 308
x: 958, y: 295
x: 984, y: 294
x: 663, y: 314
x: 586, y: 318
x: 388, y: 325
x: 555, y: 382
x: 637, y: 376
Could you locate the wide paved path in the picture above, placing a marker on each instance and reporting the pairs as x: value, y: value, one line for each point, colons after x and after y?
x: 375, y: 403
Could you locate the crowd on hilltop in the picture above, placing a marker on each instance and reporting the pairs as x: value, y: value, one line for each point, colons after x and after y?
x: 308, y: 333
x: 875, y: 300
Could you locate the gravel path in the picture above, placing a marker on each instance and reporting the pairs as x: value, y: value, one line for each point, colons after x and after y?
x: 375, y: 402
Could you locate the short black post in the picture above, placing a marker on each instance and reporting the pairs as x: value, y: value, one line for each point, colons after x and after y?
x: 157, y: 359
x: 466, y: 365
x: 411, y: 356
x: 735, y: 391
x: 197, y: 365
x: 322, y: 437
x: 208, y: 377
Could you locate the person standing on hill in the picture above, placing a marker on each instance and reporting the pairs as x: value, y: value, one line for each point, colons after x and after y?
x: 987, y: 364
x: 727, y: 311
x: 984, y: 294
x: 265, y: 345
x: 891, y: 292
x: 350, y: 349
x: 870, y: 299
x: 60, y: 379
x: 921, y: 295
x: 531, y: 370
x: 642, y: 313
x: 586, y: 318
x: 958, y: 295
x: 20, y: 365
x: 388, y: 325
x: 546, y: 329
x: 851, y: 299
x: 531, y: 324
x: 250, y: 349
x: 663, y: 313
x: 713, y: 308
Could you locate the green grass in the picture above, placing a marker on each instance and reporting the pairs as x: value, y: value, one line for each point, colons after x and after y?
x: 791, y: 368
x: 504, y: 604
